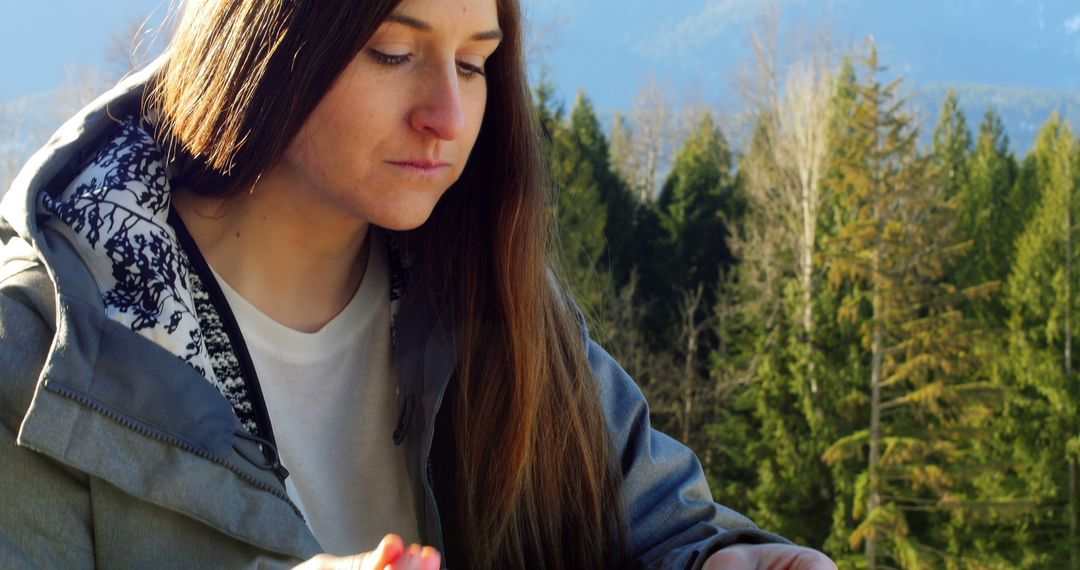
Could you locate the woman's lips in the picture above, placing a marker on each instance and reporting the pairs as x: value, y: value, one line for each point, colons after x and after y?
x: 420, y: 167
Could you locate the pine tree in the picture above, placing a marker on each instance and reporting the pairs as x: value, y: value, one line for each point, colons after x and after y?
x: 842, y: 353
x: 618, y: 201
x: 1039, y: 371
x: 987, y: 217
x: 698, y: 202
x: 892, y: 255
x: 791, y: 492
x: 952, y: 147
x: 580, y: 212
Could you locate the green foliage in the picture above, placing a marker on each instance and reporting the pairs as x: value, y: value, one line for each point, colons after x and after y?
x: 575, y: 146
x: 989, y: 217
x: 892, y: 256
x: 1039, y: 373
x: 698, y: 202
x: 943, y: 430
x: 951, y: 148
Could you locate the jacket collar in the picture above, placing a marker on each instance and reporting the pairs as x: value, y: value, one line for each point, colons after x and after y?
x: 116, y: 404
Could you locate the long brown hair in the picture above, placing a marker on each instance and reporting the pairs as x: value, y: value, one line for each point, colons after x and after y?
x: 537, y: 476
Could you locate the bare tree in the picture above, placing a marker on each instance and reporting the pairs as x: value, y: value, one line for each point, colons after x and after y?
x: 625, y: 338
x: 644, y: 141
x: 12, y: 143
x: 542, y: 37
x: 786, y: 164
x: 140, y: 40
x: 80, y: 86
x: 690, y: 330
x: 26, y: 124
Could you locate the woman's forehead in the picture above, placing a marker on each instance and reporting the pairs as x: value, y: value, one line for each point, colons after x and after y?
x: 440, y: 13
x: 470, y: 8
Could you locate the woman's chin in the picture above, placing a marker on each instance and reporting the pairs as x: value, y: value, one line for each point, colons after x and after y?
x: 404, y: 220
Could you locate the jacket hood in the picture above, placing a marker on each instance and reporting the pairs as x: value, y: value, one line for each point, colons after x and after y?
x: 113, y: 215
x: 129, y: 392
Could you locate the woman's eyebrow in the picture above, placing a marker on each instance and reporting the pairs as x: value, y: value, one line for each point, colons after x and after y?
x: 495, y: 34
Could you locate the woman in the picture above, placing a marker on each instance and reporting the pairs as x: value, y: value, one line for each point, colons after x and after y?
x: 285, y: 292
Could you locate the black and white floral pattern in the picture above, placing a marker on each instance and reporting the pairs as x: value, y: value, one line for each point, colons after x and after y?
x: 116, y: 213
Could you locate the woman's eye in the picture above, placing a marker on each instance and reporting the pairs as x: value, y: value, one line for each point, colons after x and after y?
x: 388, y: 58
x: 470, y: 70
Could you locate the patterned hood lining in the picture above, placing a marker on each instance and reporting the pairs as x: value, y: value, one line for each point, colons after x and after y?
x: 117, y: 214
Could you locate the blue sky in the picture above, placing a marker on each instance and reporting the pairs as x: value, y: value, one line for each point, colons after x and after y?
x: 39, y: 38
x: 609, y: 47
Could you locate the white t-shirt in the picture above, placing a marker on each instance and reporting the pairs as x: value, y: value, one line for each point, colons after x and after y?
x: 332, y: 403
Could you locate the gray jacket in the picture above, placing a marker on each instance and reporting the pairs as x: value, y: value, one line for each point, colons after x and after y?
x: 114, y: 452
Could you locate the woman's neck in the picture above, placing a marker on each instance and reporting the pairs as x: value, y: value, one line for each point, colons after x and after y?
x: 290, y: 258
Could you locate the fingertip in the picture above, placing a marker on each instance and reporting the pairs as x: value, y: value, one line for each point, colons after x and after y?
x: 430, y: 559
x: 728, y: 558
x: 391, y: 547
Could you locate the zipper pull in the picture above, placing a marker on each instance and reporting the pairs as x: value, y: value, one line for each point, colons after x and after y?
x: 280, y: 471
x: 272, y: 462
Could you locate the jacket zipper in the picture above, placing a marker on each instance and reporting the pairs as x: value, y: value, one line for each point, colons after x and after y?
x: 159, y: 435
x: 427, y: 456
x: 430, y: 477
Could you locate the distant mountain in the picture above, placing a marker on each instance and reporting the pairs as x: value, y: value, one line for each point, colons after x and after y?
x: 1024, y: 110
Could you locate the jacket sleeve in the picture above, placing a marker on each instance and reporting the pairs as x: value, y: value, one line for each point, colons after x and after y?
x: 672, y: 519
x: 50, y: 517
x: 45, y: 520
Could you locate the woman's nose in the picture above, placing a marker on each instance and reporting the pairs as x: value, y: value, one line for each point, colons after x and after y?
x: 439, y: 111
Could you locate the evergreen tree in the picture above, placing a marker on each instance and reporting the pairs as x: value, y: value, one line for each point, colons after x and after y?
x: 897, y: 247
x: 791, y: 489
x: 698, y: 202
x: 904, y: 456
x: 1039, y: 370
x: 593, y: 150
x: 987, y: 217
x: 580, y: 212
x: 951, y: 147
x: 550, y: 111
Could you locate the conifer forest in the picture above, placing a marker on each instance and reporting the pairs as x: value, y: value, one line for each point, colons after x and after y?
x: 864, y: 325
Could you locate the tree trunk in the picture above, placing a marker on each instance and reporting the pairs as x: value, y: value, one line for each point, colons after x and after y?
x: 1072, y: 513
x: 1068, y: 295
x: 691, y: 330
x: 1068, y: 377
x: 648, y: 184
x: 688, y: 389
x: 873, y: 500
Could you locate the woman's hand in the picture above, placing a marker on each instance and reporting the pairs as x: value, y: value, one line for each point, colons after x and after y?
x: 768, y: 556
x: 391, y: 554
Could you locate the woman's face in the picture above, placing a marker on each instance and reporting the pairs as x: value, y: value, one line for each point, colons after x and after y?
x: 396, y: 128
